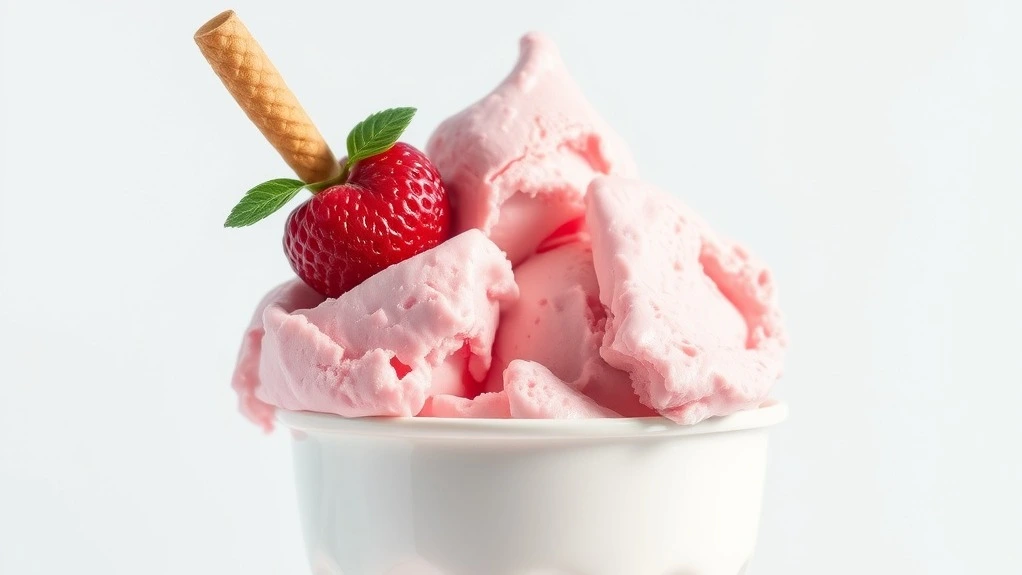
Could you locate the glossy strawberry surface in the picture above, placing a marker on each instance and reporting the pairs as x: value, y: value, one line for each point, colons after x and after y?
x: 391, y: 207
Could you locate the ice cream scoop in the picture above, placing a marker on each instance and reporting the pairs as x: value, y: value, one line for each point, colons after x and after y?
x: 517, y: 162
x: 535, y: 393
x: 629, y: 304
x: 558, y: 321
x: 386, y: 345
x: 485, y: 405
x: 530, y: 391
x: 290, y: 296
x: 692, y: 318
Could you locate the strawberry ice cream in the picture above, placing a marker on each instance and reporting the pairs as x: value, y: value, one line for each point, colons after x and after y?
x: 558, y: 321
x: 573, y: 290
x: 530, y: 391
x: 290, y: 296
x: 377, y: 349
x: 535, y: 393
x: 691, y: 318
x: 492, y: 405
x: 517, y: 162
x: 517, y: 270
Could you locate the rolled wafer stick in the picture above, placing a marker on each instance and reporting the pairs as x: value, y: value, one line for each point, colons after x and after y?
x: 257, y: 86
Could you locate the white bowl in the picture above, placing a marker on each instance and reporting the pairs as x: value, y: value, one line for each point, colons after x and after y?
x: 422, y: 496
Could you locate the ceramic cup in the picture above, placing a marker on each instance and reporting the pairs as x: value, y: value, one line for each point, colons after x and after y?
x: 424, y: 496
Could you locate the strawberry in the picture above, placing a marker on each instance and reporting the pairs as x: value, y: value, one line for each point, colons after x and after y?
x: 386, y: 205
x: 392, y: 206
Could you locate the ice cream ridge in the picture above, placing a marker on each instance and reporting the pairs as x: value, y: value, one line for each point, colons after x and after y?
x: 517, y: 268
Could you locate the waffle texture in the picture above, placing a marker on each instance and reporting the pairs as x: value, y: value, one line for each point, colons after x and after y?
x: 259, y: 89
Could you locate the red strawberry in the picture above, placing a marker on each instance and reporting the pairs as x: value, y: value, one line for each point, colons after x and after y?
x: 392, y: 206
x: 386, y: 205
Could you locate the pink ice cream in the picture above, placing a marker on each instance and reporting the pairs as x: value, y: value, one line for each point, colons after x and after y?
x: 290, y: 296
x: 622, y: 301
x: 691, y: 318
x: 530, y: 391
x: 517, y: 163
x: 383, y: 347
x: 485, y: 405
x: 558, y: 321
x: 535, y: 393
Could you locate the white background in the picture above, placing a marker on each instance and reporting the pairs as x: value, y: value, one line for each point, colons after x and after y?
x: 870, y: 151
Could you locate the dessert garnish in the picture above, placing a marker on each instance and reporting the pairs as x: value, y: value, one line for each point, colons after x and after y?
x: 382, y: 204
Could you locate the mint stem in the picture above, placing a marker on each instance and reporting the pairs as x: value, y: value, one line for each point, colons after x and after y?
x: 372, y: 136
x: 340, y: 178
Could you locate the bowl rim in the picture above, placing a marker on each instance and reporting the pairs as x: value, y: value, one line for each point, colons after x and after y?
x: 324, y: 424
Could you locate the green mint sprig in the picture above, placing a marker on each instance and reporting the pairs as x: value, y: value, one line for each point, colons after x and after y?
x: 370, y: 137
x: 262, y: 201
x: 377, y: 133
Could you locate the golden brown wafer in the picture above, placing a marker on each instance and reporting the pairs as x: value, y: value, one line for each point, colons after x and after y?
x: 257, y: 86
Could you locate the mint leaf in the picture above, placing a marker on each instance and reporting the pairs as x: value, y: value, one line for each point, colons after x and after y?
x: 377, y: 133
x: 262, y: 201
